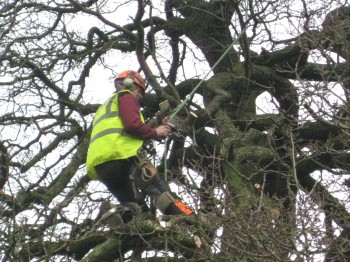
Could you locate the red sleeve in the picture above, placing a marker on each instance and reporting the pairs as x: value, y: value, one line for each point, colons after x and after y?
x: 129, y: 112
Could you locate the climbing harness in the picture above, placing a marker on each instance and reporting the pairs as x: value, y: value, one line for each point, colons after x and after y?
x: 148, y: 171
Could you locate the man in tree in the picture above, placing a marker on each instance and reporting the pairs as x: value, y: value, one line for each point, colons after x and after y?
x: 115, y: 155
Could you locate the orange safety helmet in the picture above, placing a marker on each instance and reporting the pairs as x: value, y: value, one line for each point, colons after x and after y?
x: 132, y: 77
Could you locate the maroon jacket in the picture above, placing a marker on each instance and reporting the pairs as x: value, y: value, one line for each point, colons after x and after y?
x: 129, y: 112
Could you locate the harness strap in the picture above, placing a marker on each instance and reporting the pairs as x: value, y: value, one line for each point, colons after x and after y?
x: 132, y: 179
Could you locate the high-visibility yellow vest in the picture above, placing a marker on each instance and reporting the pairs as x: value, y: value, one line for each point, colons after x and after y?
x: 109, y: 140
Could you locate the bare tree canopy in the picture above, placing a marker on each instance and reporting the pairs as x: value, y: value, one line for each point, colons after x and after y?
x: 259, y: 92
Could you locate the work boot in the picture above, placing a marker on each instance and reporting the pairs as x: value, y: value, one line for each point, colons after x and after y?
x: 130, y: 211
x: 111, y: 217
x: 121, y: 213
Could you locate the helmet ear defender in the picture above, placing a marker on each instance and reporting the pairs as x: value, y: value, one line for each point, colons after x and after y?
x: 132, y: 78
x: 128, y: 82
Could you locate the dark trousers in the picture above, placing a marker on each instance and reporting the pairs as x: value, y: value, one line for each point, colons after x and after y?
x: 123, y: 178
